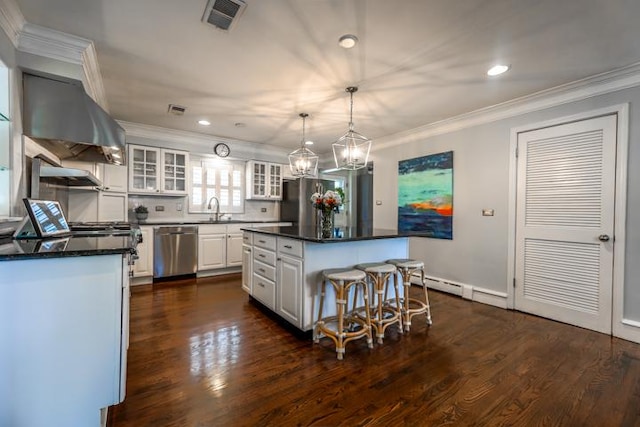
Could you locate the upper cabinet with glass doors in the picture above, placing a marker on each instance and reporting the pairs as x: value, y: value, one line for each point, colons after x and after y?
x: 157, y: 170
x: 264, y: 180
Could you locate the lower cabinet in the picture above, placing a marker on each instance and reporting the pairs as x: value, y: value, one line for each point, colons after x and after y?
x: 289, y: 292
x: 212, y: 251
x: 247, y: 268
x: 272, y: 272
x: 143, y: 266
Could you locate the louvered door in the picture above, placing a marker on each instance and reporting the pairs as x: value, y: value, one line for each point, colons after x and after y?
x: 565, y: 208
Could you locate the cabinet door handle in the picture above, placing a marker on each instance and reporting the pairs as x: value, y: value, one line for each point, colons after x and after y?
x: 262, y: 241
x: 288, y: 246
x: 262, y: 269
x: 261, y: 255
x: 261, y: 284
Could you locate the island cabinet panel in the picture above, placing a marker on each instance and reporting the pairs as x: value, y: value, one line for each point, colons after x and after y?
x: 247, y: 269
x: 289, y: 290
x: 264, y: 290
x: 66, y: 345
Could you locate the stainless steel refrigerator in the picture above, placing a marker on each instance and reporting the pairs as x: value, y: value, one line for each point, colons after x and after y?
x: 296, y: 204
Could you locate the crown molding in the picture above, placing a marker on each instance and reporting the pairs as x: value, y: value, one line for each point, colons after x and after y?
x: 52, y: 44
x: 67, y: 48
x: 181, y: 138
x: 599, y: 84
x: 11, y: 20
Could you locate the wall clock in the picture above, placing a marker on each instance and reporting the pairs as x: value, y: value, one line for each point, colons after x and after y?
x: 222, y: 150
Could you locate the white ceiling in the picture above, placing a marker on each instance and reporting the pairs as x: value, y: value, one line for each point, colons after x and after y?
x: 418, y: 61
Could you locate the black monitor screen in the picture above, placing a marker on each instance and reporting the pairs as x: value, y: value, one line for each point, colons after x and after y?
x: 47, y: 217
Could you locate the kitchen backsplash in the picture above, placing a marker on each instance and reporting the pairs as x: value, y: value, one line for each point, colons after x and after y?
x: 175, y: 208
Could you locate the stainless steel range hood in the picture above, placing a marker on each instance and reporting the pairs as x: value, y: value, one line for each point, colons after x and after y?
x: 59, y: 115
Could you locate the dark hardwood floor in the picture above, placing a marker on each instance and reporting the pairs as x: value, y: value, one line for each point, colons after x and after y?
x: 201, y: 354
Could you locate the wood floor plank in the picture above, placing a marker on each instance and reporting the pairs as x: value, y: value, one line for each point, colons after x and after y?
x: 202, y: 354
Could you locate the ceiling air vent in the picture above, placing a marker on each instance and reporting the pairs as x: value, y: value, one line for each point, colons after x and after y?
x: 177, y: 110
x: 223, y: 14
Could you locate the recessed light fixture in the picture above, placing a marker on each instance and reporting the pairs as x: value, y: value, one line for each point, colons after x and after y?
x: 348, y: 41
x: 240, y: 125
x: 498, y: 69
x: 204, y: 122
x: 308, y: 143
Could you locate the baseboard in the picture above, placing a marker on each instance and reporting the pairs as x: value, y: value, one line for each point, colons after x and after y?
x: 136, y: 281
x: 219, y: 272
x: 628, y: 330
x: 466, y: 291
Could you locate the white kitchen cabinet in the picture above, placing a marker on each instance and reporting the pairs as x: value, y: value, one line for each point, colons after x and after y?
x: 247, y: 268
x: 114, y: 178
x: 112, y: 206
x: 234, y: 245
x: 264, y: 180
x: 289, y: 278
x: 157, y: 170
x: 143, y: 266
x: 212, y: 250
x: 289, y: 291
x: 92, y: 205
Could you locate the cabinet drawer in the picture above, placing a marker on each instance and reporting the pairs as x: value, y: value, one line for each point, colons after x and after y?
x: 264, y: 270
x: 264, y: 241
x: 212, y: 229
x: 264, y: 291
x: 290, y: 247
x: 267, y: 257
x: 247, y: 238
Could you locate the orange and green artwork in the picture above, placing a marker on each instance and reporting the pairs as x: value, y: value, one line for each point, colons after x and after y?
x: 425, y: 195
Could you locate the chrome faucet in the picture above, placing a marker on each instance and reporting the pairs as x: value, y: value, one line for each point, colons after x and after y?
x: 215, y: 216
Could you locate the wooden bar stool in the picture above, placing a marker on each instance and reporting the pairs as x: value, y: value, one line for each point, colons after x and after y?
x: 383, y: 314
x: 411, y: 306
x: 348, y: 326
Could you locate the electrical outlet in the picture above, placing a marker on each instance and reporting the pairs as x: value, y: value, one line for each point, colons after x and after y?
x: 179, y: 207
x: 378, y: 202
x: 487, y: 212
x: 263, y: 210
x: 160, y: 208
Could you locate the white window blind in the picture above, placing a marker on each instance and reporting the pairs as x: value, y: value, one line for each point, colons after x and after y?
x: 221, y: 179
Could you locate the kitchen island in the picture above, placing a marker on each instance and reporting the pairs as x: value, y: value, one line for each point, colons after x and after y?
x: 282, y: 266
x: 64, y: 316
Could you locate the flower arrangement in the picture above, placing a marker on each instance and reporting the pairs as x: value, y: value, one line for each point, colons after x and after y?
x: 141, y: 209
x: 327, y: 202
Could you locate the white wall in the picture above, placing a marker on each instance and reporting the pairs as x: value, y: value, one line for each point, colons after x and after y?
x: 478, y: 253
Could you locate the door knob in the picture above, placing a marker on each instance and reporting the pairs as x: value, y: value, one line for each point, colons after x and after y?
x: 603, y: 237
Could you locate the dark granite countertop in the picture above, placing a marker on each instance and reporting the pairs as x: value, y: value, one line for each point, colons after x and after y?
x: 205, y: 222
x: 341, y: 234
x: 12, y: 250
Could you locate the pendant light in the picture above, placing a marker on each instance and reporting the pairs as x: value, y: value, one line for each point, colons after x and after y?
x: 303, y: 162
x: 351, y: 150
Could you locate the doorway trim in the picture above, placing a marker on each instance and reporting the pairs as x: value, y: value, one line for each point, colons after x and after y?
x: 623, y: 328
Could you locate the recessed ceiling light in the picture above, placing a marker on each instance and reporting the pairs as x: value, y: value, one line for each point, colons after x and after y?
x: 240, y: 125
x: 308, y: 143
x: 204, y: 122
x: 348, y: 41
x: 498, y: 69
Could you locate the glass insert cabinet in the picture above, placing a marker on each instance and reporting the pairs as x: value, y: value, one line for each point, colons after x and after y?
x: 264, y: 180
x: 157, y: 170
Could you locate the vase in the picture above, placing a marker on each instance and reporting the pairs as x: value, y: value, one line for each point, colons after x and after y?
x: 141, y: 216
x: 327, y: 224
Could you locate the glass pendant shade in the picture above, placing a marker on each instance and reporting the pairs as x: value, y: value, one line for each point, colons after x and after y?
x: 351, y: 150
x: 303, y: 162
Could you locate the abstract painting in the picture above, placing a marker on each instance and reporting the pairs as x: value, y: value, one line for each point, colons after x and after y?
x: 425, y: 195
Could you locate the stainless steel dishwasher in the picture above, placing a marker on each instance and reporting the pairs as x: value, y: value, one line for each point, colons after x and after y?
x: 175, y: 251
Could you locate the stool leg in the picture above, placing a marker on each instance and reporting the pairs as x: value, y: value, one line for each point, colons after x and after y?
x: 367, y: 313
x: 398, y: 306
x: 340, y: 305
x: 426, y: 297
x: 406, y: 281
x: 379, y: 286
x: 316, y: 330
